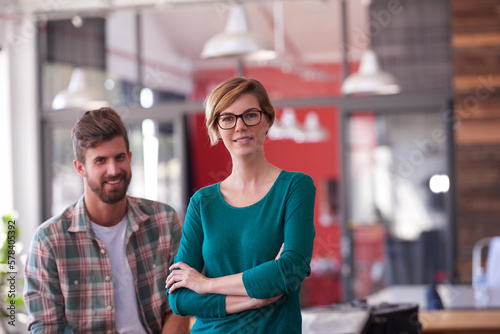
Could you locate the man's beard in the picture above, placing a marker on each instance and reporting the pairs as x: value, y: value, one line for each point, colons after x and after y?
x: 111, y: 196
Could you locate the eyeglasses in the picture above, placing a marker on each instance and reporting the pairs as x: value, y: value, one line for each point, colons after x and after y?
x: 250, y: 118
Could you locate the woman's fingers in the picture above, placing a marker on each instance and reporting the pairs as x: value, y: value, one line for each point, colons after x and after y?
x: 183, y: 276
x: 176, y: 275
x: 176, y: 279
x: 170, y: 280
x: 179, y: 265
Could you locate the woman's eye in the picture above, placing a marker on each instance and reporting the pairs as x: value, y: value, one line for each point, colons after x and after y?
x: 251, y: 115
x: 227, y: 119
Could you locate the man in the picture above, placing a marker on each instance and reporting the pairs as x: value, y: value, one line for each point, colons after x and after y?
x: 101, y: 265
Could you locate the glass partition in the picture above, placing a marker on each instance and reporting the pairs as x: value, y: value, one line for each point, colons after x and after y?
x: 397, y: 181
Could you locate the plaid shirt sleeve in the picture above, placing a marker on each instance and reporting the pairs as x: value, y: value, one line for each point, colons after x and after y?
x: 68, y: 272
x: 42, y: 293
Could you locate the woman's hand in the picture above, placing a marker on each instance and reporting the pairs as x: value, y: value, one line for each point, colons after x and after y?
x: 183, y: 276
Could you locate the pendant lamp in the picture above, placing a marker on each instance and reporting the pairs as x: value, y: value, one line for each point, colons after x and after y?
x: 289, y: 128
x: 79, y: 95
x: 370, y: 79
x: 237, y: 40
x: 313, y: 131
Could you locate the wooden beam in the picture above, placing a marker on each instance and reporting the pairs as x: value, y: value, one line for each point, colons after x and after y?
x: 475, y: 40
x: 478, y: 132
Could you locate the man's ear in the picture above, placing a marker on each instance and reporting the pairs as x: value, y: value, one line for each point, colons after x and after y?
x: 130, y: 155
x: 80, y: 169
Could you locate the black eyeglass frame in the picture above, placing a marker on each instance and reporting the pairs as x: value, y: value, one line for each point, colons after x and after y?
x: 242, y: 119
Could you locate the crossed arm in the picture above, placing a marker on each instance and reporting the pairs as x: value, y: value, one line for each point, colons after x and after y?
x: 237, y: 299
x: 190, y: 292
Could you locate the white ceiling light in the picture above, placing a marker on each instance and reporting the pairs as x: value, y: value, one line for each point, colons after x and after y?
x: 370, y: 78
x: 439, y: 183
x: 313, y: 130
x: 289, y: 128
x: 237, y: 40
x: 79, y: 95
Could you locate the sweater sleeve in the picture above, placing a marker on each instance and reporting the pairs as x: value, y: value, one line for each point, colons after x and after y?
x: 184, y: 301
x: 285, y: 275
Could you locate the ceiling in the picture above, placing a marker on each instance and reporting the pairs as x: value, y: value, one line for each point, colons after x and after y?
x: 311, y: 29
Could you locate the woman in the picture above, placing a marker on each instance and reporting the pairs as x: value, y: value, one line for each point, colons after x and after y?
x: 253, y: 232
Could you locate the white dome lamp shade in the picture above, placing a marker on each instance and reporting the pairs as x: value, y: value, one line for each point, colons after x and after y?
x: 370, y: 79
x: 238, y: 41
x: 79, y: 95
x: 313, y: 130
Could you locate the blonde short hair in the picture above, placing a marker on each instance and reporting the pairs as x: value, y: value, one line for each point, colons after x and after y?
x: 224, y: 95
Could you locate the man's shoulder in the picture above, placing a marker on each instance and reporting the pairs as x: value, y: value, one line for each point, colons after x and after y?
x: 142, y: 210
x: 148, y: 206
x: 58, y: 224
x: 152, y: 218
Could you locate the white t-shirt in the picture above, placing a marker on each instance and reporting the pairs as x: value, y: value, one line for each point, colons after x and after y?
x: 126, y: 308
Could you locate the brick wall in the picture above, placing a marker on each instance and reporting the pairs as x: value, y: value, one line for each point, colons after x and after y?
x: 476, y: 46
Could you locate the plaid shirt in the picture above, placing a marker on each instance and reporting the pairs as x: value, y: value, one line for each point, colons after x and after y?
x: 68, y: 271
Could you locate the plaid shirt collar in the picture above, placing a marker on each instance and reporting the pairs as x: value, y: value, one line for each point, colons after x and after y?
x: 80, y: 221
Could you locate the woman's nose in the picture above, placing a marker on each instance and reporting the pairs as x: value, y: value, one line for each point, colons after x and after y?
x: 240, y: 123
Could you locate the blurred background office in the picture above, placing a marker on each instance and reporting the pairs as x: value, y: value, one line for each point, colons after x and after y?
x: 390, y: 105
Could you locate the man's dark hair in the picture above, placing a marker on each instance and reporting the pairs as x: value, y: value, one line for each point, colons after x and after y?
x: 94, y: 127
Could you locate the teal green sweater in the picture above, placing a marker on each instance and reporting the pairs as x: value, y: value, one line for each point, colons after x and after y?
x: 227, y: 240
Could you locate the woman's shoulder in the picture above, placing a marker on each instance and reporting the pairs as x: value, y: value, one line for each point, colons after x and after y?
x: 207, y: 191
x: 296, y: 176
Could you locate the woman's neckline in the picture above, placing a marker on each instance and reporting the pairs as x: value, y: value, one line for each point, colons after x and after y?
x: 252, y: 204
